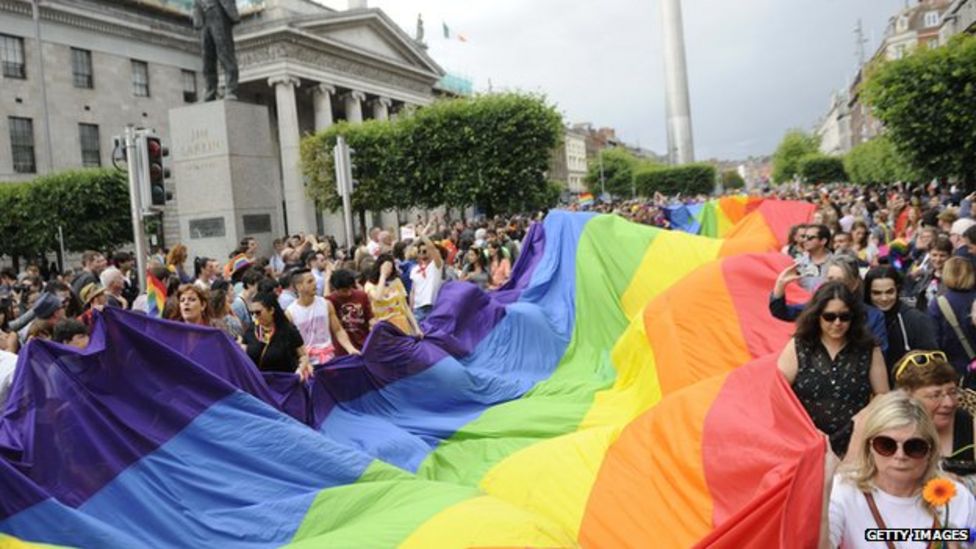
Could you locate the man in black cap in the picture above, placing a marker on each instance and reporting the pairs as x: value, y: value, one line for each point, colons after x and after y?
x: 48, y: 307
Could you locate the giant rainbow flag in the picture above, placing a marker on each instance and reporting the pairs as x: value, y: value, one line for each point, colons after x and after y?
x: 620, y: 391
x: 713, y: 218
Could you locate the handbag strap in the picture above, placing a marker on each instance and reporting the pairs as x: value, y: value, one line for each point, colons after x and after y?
x: 950, y: 317
x: 877, y: 516
x: 881, y: 523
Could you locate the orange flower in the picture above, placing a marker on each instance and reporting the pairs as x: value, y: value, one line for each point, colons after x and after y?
x: 939, y: 491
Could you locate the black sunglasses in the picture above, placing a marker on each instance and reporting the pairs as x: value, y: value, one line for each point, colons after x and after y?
x: 811, y: 237
x: 915, y: 448
x: 833, y: 317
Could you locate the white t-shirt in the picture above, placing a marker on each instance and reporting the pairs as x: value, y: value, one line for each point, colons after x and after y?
x: 426, y: 284
x: 8, y: 365
x: 313, y: 323
x: 850, y: 515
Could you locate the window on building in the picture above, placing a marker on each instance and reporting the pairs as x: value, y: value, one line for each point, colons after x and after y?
x: 91, y: 151
x: 81, y: 68
x: 933, y: 43
x: 931, y: 19
x: 12, y: 56
x: 902, y: 24
x: 140, y: 79
x: 22, y: 144
x: 189, y: 87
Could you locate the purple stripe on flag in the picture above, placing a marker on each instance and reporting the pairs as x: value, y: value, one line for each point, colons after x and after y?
x: 461, y: 319
x: 76, y: 419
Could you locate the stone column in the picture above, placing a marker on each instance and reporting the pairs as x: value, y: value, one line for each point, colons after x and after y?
x: 381, y: 108
x: 322, y: 101
x: 354, y: 106
x: 298, y: 210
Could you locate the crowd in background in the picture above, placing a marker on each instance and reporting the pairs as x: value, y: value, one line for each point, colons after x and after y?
x: 889, y: 275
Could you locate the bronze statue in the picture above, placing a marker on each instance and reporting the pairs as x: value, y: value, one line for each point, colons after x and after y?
x: 215, y: 19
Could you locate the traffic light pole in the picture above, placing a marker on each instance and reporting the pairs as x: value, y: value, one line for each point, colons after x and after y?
x: 343, y: 169
x: 136, y: 172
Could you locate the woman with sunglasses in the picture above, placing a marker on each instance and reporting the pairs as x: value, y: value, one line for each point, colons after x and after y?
x: 833, y: 363
x: 881, y: 485
x: 273, y: 342
x: 928, y: 377
x: 907, y: 328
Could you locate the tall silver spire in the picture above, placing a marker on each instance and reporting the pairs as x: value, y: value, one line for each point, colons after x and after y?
x: 681, y: 148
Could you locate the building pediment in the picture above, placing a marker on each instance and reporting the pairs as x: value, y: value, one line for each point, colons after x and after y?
x: 369, y: 32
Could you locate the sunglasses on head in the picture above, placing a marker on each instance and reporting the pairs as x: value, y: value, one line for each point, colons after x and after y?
x: 833, y: 317
x: 915, y: 448
x: 920, y: 359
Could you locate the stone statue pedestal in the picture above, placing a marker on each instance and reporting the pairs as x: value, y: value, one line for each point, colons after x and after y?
x: 228, y: 181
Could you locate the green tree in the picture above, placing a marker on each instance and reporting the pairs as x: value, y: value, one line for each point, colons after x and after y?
x: 876, y: 161
x: 619, y: 167
x: 490, y: 150
x: 687, y: 179
x: 92, y: 207
x: 786, y: 160
x: 925, y: 101
x: 821, y: 168
x: 732, y: 180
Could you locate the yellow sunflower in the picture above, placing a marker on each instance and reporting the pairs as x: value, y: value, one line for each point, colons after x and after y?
x: 939, y: 491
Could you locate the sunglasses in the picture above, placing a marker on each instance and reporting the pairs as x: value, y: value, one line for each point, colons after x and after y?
x: 920, y: 359
x: 915, y: 448
x: 811, y: 237
x: 834, y: 317
x: 255, y: 313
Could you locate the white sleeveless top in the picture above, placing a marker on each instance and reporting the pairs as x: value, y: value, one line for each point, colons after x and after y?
x: 313, y: 323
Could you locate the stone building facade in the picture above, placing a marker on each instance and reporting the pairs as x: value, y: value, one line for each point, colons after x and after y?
x: 569, y: 162
x: 108, y: 63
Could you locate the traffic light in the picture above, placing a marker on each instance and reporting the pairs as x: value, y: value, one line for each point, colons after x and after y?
x: 158, y: 173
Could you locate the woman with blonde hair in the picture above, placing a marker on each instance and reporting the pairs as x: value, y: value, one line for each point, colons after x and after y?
x: 174, y: 262
x: 954, y: 330
x: 881, y: 485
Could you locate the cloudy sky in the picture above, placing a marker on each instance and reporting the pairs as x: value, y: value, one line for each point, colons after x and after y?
x: 756, y: 67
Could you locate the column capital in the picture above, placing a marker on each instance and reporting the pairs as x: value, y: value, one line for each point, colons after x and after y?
x: 284, y: 80
x: 355, y: 94
x: 323, y: 88
x: 385, y: 101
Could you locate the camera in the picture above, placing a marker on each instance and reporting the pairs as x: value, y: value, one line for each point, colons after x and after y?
x: 807, y: 269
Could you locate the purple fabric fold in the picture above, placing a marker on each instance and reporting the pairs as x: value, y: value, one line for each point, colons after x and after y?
x: 71, y: 425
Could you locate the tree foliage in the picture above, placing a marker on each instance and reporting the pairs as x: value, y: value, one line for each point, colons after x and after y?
x: 925, y: 101
x: 732, y: 180
x: 688, y: 179
x: 491, y: 151
x: 786, y: 160
x: 821, y: 168
x: 619, y: 168
x: 876, y: 162
x: 91, y: 206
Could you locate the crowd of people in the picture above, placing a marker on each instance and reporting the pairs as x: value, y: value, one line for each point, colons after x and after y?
x: 890, y: 274
x: 291, y: 308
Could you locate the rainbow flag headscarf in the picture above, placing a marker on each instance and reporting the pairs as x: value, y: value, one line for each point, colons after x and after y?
x: 619, y: 391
